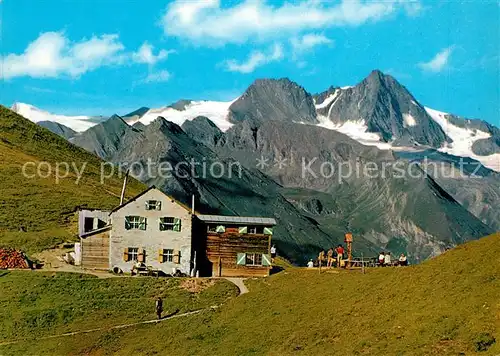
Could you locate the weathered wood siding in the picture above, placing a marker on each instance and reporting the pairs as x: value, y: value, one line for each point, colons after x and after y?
x: 222, y: 251
x: 95, y: 251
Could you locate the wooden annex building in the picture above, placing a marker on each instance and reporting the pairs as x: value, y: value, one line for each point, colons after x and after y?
x: 235, y: 245
x: 166, y: 236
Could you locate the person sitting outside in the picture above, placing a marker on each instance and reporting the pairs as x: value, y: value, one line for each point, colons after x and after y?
x: 137, y: 267
x: 387, y: 259
x: 381, y: 259
x: 310, y: 264
x: 330, y: 258
x: 403, y: 261
x: 340, y: 255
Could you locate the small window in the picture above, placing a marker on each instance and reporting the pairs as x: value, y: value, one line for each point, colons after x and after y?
x: 88, y: 224
x: 211, y: 228
x: 133, y: 254
x: 135, y: 222
x: 253, y: 259
x: 255, y: 230
x: 168, y: 255
x: 170, y: 224
x: 153, y: 205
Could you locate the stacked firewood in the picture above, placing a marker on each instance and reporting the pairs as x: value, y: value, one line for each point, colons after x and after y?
x: 10, y: 258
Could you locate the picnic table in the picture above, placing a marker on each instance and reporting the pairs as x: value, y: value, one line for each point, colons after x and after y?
x: 366, y: 262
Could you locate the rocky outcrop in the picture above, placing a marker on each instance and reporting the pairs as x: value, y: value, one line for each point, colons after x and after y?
x: 58, y: 129
x: 203, y: 130
x: 274, y: 99
x: 105, y: 138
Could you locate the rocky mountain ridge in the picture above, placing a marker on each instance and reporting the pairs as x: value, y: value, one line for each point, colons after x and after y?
x: 377, y: 111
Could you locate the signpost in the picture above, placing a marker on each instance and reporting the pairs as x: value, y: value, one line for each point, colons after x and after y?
x: 348, y: 241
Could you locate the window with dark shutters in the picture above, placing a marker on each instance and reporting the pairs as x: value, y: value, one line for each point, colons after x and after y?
x: 153, y: 205
x: 135, y: 223
x: 170, y: 224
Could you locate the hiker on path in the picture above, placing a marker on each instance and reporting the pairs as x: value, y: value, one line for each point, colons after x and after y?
x: 329, y: 263
x: 403, y: 261
x: 387, y: 259
x: 273, y: 253
x: 340, y: 255
x: 159, y: 307
x: 381, y: 259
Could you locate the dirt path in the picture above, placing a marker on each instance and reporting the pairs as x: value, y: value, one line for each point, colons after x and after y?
x: 239, y: 282
x: 236, y: 281
x: 122, y: 326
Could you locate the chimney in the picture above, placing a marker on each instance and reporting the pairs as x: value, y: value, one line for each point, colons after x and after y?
x: 122, y: 197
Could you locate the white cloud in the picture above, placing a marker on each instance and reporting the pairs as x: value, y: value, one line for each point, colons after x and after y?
x: 53, y: 55
x: 145, y: 54
x: 439, y: 62
x: 206, y: 21
x: 157, y: 77
x: 309, y: 41
x: 256, y: 59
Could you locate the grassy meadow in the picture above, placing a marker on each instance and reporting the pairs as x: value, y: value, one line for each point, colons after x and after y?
x: 45, y: 206
x: 446, y: 306
x: 36, y: 304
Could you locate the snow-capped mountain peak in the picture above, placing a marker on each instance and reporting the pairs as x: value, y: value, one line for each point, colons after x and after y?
x: 378, y: 111
x: 78, y: 123
x: 216, y: 111
x: 463, y: 138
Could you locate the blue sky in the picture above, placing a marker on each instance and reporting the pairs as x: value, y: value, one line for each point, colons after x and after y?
x: 106, y: 56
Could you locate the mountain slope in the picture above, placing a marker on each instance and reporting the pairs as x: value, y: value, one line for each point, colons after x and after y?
x: 58, y: 129
x: 475, y: 187
x: 43, y: 206
x: 203, y: 130
x: 105, y: 138
x: 387, y: 208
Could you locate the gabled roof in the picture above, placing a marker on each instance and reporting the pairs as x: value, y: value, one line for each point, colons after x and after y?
x: 144, y: 192
x: 237, y: 219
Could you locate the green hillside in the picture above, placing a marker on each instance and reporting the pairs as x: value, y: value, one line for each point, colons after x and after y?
x: 446, y: 306
x: 45, y: 207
